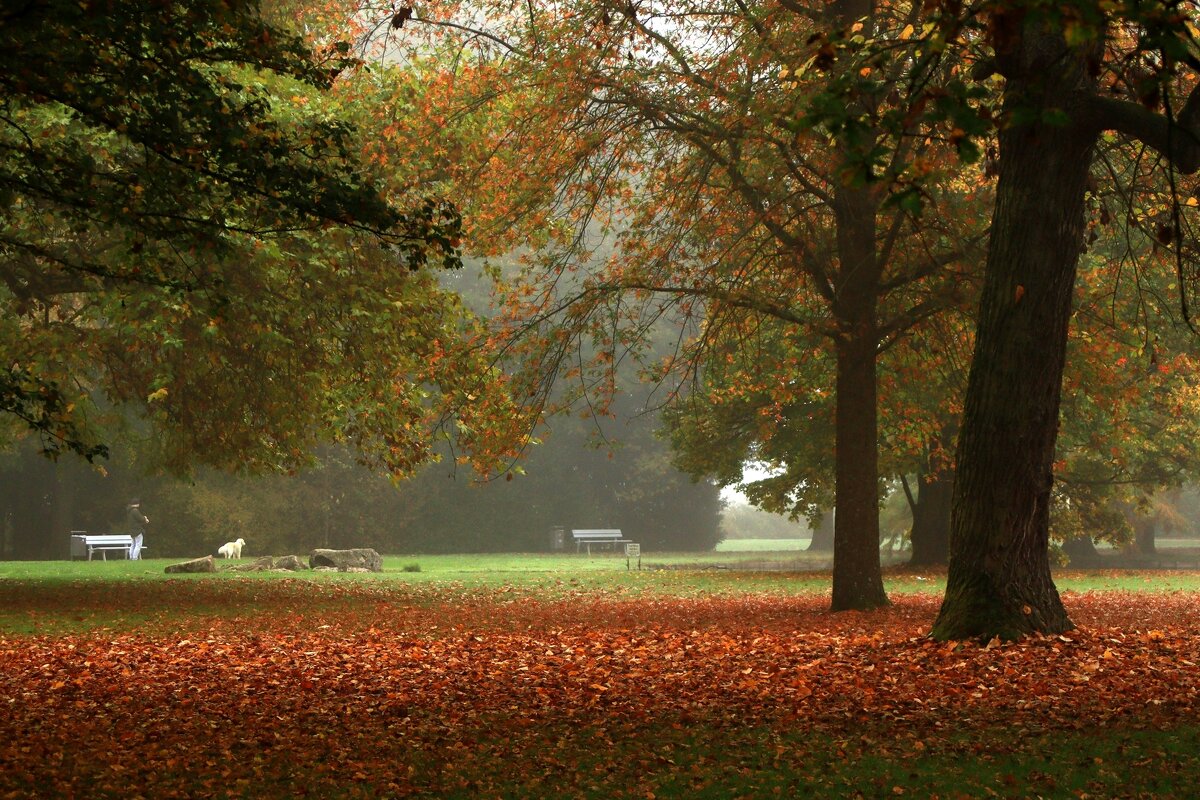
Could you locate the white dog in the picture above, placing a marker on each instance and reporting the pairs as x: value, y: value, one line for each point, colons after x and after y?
x: 232, y: 549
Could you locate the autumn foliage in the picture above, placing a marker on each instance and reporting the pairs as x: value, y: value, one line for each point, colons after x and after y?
x: 307, y: 689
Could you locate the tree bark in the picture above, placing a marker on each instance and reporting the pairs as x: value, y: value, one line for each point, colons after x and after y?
x: 930, y: 534
x: 857, y: 575
x: 999, y: 581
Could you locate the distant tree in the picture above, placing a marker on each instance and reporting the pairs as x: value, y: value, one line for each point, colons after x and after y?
x: 32, y: 487
x: 764, y: 398
x: 744, y: 521
x: 42, y: 500
x: 574, y: 480
x: 568, y: 479
x: 1130, y: 394
x: 1165, y: 514
x: 335, y: 502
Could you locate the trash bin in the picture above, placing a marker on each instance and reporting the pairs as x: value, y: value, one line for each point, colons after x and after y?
x: 558, y: 538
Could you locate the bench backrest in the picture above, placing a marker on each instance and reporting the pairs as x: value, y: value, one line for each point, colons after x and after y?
x: 596, y: 534
x: 108, y: 538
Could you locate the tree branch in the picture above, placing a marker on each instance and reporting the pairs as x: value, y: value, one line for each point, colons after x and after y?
x: 1179, y: 142
x: 912, y: 502
x: 753, y: 303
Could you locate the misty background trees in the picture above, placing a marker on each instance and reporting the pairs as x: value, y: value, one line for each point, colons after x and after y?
x: 339, y: 503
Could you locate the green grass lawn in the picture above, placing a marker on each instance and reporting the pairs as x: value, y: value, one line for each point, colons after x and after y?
x: 673, y: 573
x: 762, y: 545
x: 27, y: 587
x: 789, y: 545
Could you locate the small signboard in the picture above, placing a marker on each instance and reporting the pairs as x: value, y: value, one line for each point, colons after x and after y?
x: 633, y: 550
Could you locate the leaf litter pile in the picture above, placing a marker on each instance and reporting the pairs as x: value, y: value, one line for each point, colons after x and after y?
x: 290, y: 688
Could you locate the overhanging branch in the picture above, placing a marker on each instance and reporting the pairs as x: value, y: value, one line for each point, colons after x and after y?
x: 1178, y: 142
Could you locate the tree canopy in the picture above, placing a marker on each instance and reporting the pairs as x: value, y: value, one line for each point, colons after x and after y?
x: 189, y: 231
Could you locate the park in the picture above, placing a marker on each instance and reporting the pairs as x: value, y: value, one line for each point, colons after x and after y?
x: 599, y: 398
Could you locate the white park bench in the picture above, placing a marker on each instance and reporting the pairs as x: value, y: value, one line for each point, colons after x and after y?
x: 608, y: 537
x: 88, y: 544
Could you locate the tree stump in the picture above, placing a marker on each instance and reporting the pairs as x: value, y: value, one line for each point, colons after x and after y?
x: 205, y: 564
x: 342, y: 560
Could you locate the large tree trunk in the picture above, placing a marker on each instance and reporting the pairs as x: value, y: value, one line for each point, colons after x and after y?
x: 857, y: 576
x: 999, y: 580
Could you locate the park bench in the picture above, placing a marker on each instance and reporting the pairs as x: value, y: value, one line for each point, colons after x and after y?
x: 88, y: 544
x: 601, y: 537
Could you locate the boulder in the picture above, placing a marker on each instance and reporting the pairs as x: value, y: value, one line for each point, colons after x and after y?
x: 271, y: 564
x: 205, y: 564
x: 344, y: 560
x: 260, y: 564
x: 292, y: 563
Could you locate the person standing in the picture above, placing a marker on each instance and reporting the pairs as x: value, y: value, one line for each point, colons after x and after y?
x: 137, y: 520
x: 137, y: 526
